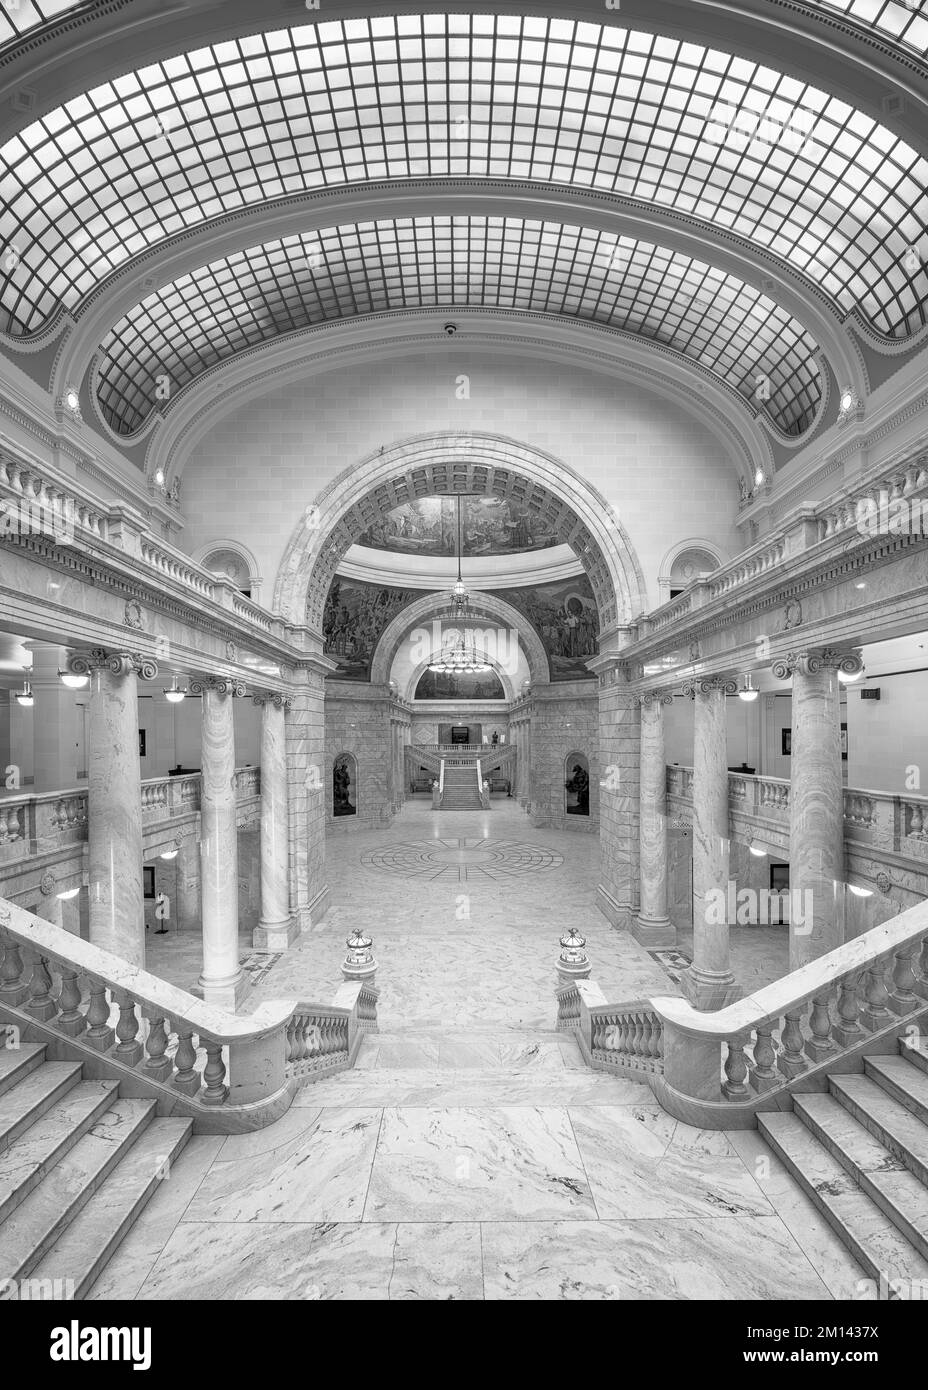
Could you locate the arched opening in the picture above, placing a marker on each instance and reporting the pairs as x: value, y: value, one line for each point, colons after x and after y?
x: 229, y: 562
x: 577, y: 784
x: 345, y: 785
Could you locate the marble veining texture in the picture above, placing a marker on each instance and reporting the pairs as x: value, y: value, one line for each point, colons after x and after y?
x: 471, y: 1154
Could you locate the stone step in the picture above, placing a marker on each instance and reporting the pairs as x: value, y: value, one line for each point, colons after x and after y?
x: 471, y: 1088
x: 29, y: 1099
x: 884, y: 1178
x: 891, y: 1123
x: 915, y: 1050
x: 39, y: 1221
x: 901, y: 1080
x: 868, y: 1233
x: 79, y: 1256
x: 18, y: 1062
x: 29, y: 1158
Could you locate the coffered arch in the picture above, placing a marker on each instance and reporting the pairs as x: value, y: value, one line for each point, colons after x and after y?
x: 461, y: 463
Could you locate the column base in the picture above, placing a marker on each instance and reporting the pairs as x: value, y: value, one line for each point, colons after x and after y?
x: 621, y: 915
x: 224, y: 994
x: 655, y: 934
x: 274, y: 936
x: 709, y: 990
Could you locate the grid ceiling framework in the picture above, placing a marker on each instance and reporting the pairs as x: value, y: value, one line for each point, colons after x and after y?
x: 255, y: 295
x: 115, y: 171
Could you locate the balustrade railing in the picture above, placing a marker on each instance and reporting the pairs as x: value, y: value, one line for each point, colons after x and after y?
x: 714, y: 1069
x: 34, y: 822
x: 172, y: 1043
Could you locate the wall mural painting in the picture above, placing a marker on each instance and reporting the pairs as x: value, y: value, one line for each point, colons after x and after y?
x: 445, y: 685
x: 355, y: 615
x: 566, y: 618
x: 490, y: 526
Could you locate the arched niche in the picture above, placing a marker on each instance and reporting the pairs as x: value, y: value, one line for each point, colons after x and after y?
x: 684, y: 562
x: 344, y: 785
x: 577, y: 784
x: 233, y: 561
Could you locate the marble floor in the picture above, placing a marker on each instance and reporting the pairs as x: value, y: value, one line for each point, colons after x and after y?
x: 471, y: 1154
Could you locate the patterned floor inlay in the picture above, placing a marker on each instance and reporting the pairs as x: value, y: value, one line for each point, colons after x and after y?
x: 674, y: 962
x: 460, y: 860
x: 258, y: 964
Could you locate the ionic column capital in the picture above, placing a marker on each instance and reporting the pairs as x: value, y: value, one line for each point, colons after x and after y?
x: 273, y: 697
x: 707, y: 685
x: 220, y: 685
x: 119, y: 663
x: 654, y: 697
x: 814, y: 659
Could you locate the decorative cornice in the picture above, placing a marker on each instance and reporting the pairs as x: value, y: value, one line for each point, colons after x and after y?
x: 117, y: 662
x: 815, y: 659
x: 218, y: 685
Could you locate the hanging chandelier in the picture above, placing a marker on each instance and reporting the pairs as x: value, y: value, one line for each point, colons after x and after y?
x: 462, y: 658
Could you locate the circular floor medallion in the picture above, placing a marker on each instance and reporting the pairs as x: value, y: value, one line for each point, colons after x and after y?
x: 457, y: 860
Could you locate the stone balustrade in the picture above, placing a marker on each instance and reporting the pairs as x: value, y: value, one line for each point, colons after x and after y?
x: 35, y: 823
x: 716, y: 1069
x: 880, y: 820
x: 231, y: 1072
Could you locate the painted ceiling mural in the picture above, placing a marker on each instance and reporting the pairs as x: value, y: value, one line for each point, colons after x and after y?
x: 447, y: 685
x: 489, y: 526
x: 564, y: 615
x: 566, y: 619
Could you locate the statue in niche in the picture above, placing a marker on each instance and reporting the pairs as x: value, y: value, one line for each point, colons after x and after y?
x: 578, y: 787
x: 342, y: 804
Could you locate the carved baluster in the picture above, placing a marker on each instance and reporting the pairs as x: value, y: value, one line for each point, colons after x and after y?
x: 903, y: 998
x: 921, y: 982
x: 128, y: 1049
x: 185, y: 1077
x: 157, y: 1065
x: 791, y: 1060
x: 214, y: 1074
x: 292, y: 1025
x: 639, y: 1036
x: 821, y: 1045
x: 41, y: 1004
x: 764, y: 1072
x: 99, y: 1035
x: 14, y: 987
x: 71, y: 1021
x: 646, y: 1037
x: 736, y: 1070
x: 657, y: 1039
x: 875, y: 1014
x: 847, y: 1031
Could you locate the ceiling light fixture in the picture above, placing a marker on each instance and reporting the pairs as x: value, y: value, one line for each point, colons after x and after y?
x: 169, y: 854
x: 747, y: 691
x: 860, y: 892
x: 72, y: 680
x: 758, y: 853
x: 25, y: 696
x: 68, y: 894
x: 848, y: 677
x: 173, y: 694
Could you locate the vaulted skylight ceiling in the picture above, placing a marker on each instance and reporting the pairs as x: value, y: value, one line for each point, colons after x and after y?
x: 255, y: 295
x: 153, y: 153
x: 18, y: 16
x: 902, y: 21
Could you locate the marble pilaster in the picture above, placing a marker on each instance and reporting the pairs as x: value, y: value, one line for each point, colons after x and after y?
x: 305, y: 734
x: 652, y: 926
x: 54, y: 720
x: 709, y: 983
x: 222, y: 978
x: 187, y: 887
x: 114, y: 801
x: 816, y: 801
x: 276, y: 927
x: 619, y: 761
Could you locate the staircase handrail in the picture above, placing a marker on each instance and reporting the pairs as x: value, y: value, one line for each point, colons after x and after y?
x: 716, y: 1069
x: 249, y: 1065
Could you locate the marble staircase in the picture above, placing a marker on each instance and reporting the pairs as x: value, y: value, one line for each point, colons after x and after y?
x: 860, y: 1152
x: 78, y: 1163
x: 461, y: 792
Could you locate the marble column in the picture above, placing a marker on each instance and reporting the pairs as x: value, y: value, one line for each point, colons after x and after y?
x: 619, y: 761
x: 114, y: 801
x: 816, y: 801
x: 276, y: 927
x: 187, y: 887
x: 54, y: 720
x: 652, y: 926
x: 309, y: 898
x: 222, y: 979
x: 709, y: 983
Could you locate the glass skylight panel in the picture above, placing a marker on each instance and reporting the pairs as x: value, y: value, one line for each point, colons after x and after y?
x: 250, y: 120
x: 254, y: 296
x: 899, y: 21
x: 19, y: 16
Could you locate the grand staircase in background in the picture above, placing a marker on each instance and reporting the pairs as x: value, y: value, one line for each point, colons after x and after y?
x: 461, y: 790
x: 77, y: 1165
